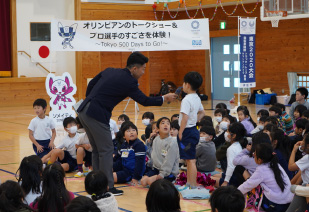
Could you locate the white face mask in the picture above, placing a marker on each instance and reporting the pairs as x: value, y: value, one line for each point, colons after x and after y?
x: 72, y: 130
x: 226, y: 137
x: 224, y: 125
x: 146, y: 122
x: 258, y: 119
x: 261, y: 127
x: 218, y: 118
x: 204, y: 139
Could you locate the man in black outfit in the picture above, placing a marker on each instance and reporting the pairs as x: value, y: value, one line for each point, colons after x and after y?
x: 104, y: 92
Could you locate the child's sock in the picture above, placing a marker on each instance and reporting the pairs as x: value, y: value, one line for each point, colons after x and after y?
x: 80, y: 167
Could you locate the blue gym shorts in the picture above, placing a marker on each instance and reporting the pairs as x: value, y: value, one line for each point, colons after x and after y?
x: 46, y: 149
x: 187, y: 146
x: 69, y: 160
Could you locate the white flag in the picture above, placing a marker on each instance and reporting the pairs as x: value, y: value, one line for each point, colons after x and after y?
x: 41, y: 52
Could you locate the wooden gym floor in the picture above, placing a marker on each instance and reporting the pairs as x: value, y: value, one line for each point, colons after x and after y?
x: 15, y: 144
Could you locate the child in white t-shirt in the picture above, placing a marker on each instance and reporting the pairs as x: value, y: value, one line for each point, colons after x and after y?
x: 84, y: 151
x: 66, y: 157
x: 191, y: 112
x: 42, y: 131
x: 114, y: 128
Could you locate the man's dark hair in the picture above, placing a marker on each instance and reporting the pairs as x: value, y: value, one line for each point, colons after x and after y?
x: 194, y: 79
x: 136, y: 58
x: 40, y: 102
x: 69, y: 120
x: 208, y: 130
x: 279, y: 105
x: 127, y: 125
x: 227, y: 199
x: 303, y: 91
x: 276, y: 110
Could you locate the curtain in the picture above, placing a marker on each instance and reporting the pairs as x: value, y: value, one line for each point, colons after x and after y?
x: 5, y: 36
x: 292, y: 79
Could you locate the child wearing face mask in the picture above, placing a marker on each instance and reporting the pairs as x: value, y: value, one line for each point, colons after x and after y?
x: 260, y: 126
x: 219, y: 113
x: 219, y: 140
x: 206, y: 150
x: 147, y: 119
x: 67, y: 157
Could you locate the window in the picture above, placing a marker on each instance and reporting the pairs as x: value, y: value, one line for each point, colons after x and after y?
x: 226, y: 65
x: 236, y: 82
x: 226, y: 82
x: 303, y: 81
x: 236, y: 66
x: 40, y: 31
x: 236, y: 49
x: 226, y: 49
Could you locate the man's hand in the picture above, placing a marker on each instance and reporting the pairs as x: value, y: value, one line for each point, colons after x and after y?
x: 170, y: 97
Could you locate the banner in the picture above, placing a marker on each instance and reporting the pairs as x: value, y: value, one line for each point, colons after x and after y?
x: 247, y: 52
x: 61, y: 90
x: 129, y: 35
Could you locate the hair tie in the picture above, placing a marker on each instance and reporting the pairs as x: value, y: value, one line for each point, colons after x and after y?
x: 274, y: 153
x: 93, y: 194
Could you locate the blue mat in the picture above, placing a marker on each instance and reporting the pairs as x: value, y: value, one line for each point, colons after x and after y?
x: 201, y: 193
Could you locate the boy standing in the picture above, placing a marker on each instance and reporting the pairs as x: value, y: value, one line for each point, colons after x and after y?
x: 165, y: 155
x: 206, y: 160
x: 66, y: 157
x: 191, y: 112
x: 42, y: 131
x: 301, y: 96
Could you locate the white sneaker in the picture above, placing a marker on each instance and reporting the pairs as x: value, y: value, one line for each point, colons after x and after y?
x: 86, y: 169
x: 79, y: 174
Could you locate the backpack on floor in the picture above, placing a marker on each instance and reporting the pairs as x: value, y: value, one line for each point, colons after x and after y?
x: 254, y: 199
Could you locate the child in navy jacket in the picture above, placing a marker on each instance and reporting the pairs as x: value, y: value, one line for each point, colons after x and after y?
x: 130, y: 163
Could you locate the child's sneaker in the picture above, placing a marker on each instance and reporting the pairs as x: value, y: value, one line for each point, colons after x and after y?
x: 86, y: 173
x: 181, y: 188
x: 79, y: 174
x: 86, y: 169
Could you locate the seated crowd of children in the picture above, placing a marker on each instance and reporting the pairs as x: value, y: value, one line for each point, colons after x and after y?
x: 268, y: 157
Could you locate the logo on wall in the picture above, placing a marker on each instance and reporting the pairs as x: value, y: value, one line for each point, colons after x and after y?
x: 195, y: 24
x: 68, y: 33
x: 61, y: 90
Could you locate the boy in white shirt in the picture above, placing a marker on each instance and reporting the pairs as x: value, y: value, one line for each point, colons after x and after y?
x: 190, y: 113
x: 42, y: 131
x: 83, y: 152
x: 66, y: 157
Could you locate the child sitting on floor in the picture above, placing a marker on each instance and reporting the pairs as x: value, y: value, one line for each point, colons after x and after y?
x: 206, y: 150
x: 165, y: 155
x: 83, y: 152
x: 130, y: 164
x: 245, y: 119
x: 29, y: 177
x: 272, y: 178
x: 174, y: 128
x: 96, y: 185
x: 66, y: 157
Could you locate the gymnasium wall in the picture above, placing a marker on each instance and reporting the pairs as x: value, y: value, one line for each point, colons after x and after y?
x: 278, y: 50
x: 42, y: 11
